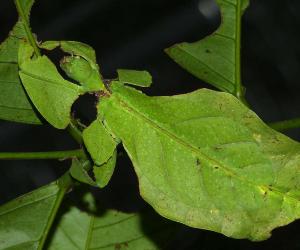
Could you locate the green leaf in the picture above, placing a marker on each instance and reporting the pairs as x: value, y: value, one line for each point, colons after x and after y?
x: 110, y: 230
x: 79, y: 171
x: 99, y: 143
x: 216, y: 59
x: 14, y: 104
x: 26, y: 51
x: 104, y: 172
x: 82, y: 67
x: 135, y: 77
x: 52, y: 95
x: 73, y: 48
x: 78, y: 69
x: 206, y: 160
x: 26, y: 221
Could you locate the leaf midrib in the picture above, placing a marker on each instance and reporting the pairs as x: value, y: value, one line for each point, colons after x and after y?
x: 231, y: 173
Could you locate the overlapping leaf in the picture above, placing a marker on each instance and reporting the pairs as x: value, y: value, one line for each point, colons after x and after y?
x: 215, y: 59
x: 104, y: 172
x: 80, y: 171
x: 102, y: 148
x: 81, y: 66
x: 51, y: 94
x: 14, y: 104
x: 25, y: 221
x: 99, y: 142
x: 135, y: 77
x: 110, y: 230
x: 206, y: 160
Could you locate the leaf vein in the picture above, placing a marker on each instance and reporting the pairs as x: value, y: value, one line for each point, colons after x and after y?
x: 205, y: 64
x: 194, y: 149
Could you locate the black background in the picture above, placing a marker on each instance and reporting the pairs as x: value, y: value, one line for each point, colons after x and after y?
x: 133, y: 34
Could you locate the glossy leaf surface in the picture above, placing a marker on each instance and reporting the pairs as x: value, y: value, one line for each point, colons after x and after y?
x: 14, y: 104
x: 25, y: 221
x: 51, y: 94
x: 216, y: 58
x: 206, y: 160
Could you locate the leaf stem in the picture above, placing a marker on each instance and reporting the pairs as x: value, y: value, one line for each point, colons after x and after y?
x: 75, y: 132
x: 79, y: 153
x: 239, y: 91
x: 285, y: 125
x: 25, y: 22
x: 65, y: 183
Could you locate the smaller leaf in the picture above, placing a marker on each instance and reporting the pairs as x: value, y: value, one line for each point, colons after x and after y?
x: 96, y: 228
x: 104, y: 172
x: 73, y: 48
x: 79, y: 171
x: 52, y: 95
x: 79, y: 69
x: 135, y: 77
x: 81, y: 66
x: 99, y: 143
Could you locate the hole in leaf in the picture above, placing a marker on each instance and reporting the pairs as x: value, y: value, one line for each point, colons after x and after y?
x: 84, y: 109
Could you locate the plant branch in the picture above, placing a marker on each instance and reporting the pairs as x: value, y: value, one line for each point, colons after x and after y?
x: 72, y: 129
x: 65, y: 183
x: 25, y: 22
x: 75, y: 132
x: 79, y: 153
x: 285, y: 125
x: 239, y: 90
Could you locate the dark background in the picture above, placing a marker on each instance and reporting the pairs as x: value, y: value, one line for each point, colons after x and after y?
x: 133, y: 34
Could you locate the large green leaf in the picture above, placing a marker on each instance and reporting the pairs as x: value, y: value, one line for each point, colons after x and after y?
x: 51, y: 94
x: 206, y: 160
x: 14, y: 104
x: 216, y: 59
x: 110, y: 230
x: 25, y: 221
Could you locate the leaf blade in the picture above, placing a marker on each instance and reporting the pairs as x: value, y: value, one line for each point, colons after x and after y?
x: 216, y: 58
x: 109, y: 230
x: 236, y: 184
x: 104, y: 172
x: 14, y: 103
x: 99, y: 143
x: 135, y: 77
x: 52, y: 95
x: 19, y: 229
